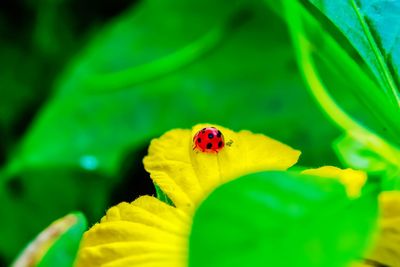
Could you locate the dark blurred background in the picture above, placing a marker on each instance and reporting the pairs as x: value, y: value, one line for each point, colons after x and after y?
x: 85, y: 86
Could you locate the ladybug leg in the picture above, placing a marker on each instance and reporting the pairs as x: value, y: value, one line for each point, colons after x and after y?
x: 194, y: 146
x: 229, y: 143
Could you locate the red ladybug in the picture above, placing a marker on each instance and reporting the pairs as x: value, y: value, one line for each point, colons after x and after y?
x: 209, y: 139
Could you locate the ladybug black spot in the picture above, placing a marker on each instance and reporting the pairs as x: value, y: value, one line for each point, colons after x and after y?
x: 220, y: 144
x: 210, y: 135
x: 219, y: 134
x: 209, y: 146
x: 199, y: 140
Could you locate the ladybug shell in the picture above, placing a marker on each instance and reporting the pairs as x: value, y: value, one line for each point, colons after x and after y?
x: 209, y: 139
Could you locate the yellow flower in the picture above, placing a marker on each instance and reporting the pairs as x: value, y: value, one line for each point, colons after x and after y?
x: 148, y: 232
x: 188, y: 176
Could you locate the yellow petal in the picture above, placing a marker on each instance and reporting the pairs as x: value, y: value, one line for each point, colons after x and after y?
x: 386, y: 249
x: 389, y: 202
x: 353, y: 180
x: 146, y: 232
x: 187, y: 176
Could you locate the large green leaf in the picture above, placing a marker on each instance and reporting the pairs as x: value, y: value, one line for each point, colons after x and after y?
x: 281, y: 219
x: 373, y: 29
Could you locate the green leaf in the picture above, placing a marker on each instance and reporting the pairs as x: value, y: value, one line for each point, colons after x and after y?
x: 340, y: 71
x: 57, y: 245
x: 281, y: 219
x: 162, y: 196
x: 373, y: 29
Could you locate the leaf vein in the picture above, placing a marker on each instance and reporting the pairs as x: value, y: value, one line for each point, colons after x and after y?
x: 388, y: 79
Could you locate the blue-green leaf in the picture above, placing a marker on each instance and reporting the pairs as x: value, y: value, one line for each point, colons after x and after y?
x: 342, y: 86
x: 373, y: 29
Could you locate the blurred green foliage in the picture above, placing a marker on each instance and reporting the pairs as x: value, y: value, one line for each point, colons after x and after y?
x: 85, y: 86
x: 157, y: 66
x: 208, y: 88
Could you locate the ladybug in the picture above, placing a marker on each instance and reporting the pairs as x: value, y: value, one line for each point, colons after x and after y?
x: 209, y: 139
